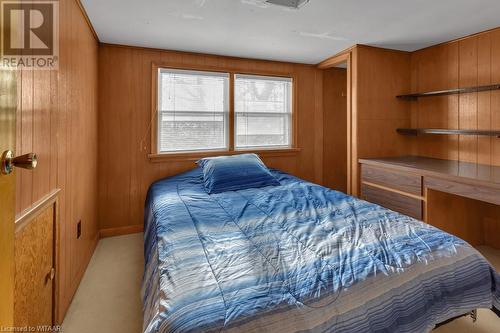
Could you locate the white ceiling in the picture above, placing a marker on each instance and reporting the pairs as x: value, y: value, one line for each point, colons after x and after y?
x: 252, y: 29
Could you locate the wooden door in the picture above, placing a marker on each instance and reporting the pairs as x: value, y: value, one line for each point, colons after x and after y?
x: 8, y: 102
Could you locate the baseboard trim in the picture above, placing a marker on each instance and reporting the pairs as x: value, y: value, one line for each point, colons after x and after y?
x: 119, y: 231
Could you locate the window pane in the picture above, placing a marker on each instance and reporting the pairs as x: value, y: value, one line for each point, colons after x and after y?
x: 189, y: 131
x: 262, y: 130
x: 193, y: 110
x: 263, y: 107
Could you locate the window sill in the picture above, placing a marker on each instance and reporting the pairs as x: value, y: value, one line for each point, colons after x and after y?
x: 194, y: 156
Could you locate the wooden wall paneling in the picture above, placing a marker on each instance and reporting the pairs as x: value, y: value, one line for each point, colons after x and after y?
x: 144, y: 123
x: 103, y: 123
x: 25, y: 142
x: 319, y: 133
x: 84, y: 138
x: 466, y: 62
x: 468, y: 71
x: 307, y: 130
x: 378, y: 113
x: 140, y: 133
x: 125, y: 122
x: 469, y: 61
x: 67, y: 108
x: 352, y: 124
x: 71, y: 107
x: 436, y: 68
x: 115, y: 128
x: 87, y: 20
x: 484, y: 98
x: 82, y: 104
x: 54, y: 115
x: 452, y: 65
x: 61, y: 157
x: 74, y: 150
x: 335, y: 128
x: 57, y: 119
x: 19, y: 134
x: 414, y: 86
x: 495, y: 95
x: 41, y: 133
x: 86, y: 83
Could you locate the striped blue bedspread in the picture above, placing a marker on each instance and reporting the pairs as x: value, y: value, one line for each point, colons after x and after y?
x: 300, y: 258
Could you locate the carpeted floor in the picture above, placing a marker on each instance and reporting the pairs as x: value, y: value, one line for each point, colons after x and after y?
x: 108, y: 299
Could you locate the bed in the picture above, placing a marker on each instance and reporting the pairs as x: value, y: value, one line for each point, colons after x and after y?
x: 300, y: 258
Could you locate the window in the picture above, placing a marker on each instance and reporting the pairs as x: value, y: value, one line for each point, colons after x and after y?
x: 263, y: 112
x: 193, y: 110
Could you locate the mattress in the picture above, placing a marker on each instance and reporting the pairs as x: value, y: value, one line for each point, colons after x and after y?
x: 299, y: 258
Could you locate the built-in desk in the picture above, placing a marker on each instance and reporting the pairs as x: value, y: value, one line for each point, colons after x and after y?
x: 438, y: 192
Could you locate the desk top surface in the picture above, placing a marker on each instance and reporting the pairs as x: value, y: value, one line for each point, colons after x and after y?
x: 477, y: 173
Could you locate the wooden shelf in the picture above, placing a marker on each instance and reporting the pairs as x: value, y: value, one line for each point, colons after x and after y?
x: 417, y: 131
x: 412, y: 97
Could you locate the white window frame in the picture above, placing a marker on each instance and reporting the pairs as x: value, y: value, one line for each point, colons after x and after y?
x: 290, y: 114
x: 156, y: 155
x: 225, y: 112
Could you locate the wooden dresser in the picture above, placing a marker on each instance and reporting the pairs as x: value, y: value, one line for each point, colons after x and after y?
x: 458, y: 197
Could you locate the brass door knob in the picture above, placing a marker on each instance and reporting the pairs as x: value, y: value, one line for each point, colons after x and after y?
x: 8, y: 162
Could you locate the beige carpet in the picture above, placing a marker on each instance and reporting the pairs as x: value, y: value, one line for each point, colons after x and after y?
x: 108, y: 299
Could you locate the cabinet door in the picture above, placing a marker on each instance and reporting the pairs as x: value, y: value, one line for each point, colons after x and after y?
x: 34, y: 260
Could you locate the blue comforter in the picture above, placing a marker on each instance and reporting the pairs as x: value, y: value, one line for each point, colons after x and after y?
x: 300, y: 257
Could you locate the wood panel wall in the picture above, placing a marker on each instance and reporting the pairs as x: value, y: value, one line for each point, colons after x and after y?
x: 125, y: 170
x: 379, y: 75
x: 57, y: 119
x: 470, y: 61
x: 335, y: 128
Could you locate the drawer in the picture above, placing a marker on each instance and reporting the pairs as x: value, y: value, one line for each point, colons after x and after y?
x: 394, y: 201
x: 407, y: 183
